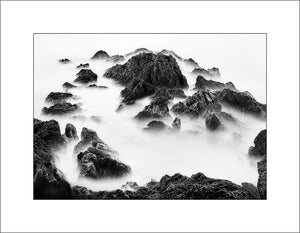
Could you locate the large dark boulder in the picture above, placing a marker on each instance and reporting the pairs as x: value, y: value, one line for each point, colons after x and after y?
x: 86, y: 76
x: 242, y: 102
x: 199, y: 104
x: 202, y: 83
x: 100, y: 55
x: 262, y: 177
x: 213, y: 123
x: 61, y: 108
x: 260, y: 145
x: 56, y: 97
x: 144, y: 73
x: 71, y: 132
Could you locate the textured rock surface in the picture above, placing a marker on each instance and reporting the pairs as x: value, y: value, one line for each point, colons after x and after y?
x: 156, y: 126
x: 61, y: 108
x: 213, y: 72
x: 144, y: 73
x: 262, y: 178
x: 86, y: 76
x: 56, y: 97
x: 213, y: 123
x: 201, y: 82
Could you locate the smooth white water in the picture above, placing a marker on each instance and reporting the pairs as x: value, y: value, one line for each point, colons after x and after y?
x: 150, y: 156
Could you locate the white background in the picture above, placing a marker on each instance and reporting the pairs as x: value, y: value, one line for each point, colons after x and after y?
x: 19, y: 20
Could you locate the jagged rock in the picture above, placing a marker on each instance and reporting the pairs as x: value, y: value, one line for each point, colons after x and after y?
x: 130, y: 186
x: 201, y: 82
x: 242, y: 102
x: 176, y: 123
x: 198, y: 104
x: 61, y: 108
x: 100, y: 55
x: 85, y: 76
x: 64, y: 60
x: 68, y: 85
x: 260, y: 145
x: 95, y: 86
x: 98, y: 161
x: 262, y: 178
x: 88, y: 136
x: 71, y: 132
x: 213, y: 123
x: 191, y: 61
x: 156, y: 126
x: 158, y: 108
x: 213, y: 72
x: 144, y: 73
x: 56, y: 97
x: 85, y: 65
x: 169, y: 93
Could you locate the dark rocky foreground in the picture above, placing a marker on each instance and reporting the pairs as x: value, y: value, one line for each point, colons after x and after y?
x: 49, y: 182
x: 144, y: 73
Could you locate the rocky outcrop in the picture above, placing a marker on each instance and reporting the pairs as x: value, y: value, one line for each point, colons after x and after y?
x: 56, y: 97
x: 70, y: 132
x: 213, y: 72
x: 144, y: 73
x: 242, y: 102
x: 68, y: 85
x: 262, y: 177
x: 156, y: 126
x: 202, y: 83
x: 176, y: 123
x: 199, y: 104
x: 61, y: 108
x: 213, y: 123
x: 64, y: 60
x: 260, y: 145
x: 198, y: 186
x: 98, y: 161
x: 100, y: 55
x: 85, y: 65
x: 49, y: 182
x: 86, y: 76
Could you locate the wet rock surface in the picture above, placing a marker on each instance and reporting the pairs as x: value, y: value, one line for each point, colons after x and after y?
x: 242, y: 102
x: 260, y: 145
x: 199, y: 104
x: 86, y: 76
x: 61, y: 108
x: 144, y: 73
x: 56, y: 97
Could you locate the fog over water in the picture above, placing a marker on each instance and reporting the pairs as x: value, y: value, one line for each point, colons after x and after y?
x: 241, y: 59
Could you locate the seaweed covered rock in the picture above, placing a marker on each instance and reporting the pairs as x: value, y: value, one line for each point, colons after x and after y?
x: 213, y: 123
x: 260, y: 145
x: 86, y: 76
x: 101, y: 54
x: 201, y: 82
x: 61, y: 108
x: 144, y: 73
x: 56, y: 97
x: 242, y: 102
x: 199, y: 104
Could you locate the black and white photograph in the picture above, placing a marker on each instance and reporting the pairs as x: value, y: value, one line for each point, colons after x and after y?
x: 150, y: 116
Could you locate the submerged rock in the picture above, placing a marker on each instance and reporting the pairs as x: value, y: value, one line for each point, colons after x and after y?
x: 68, y: 85
x: 260, y: 145
x: 61, y: 108
x: 64, y: 60
x: 56, y: 97
x: 242, y: 102
x: 213, y: 123
x: 85, y: 76
x: 156, y: 126
x: 199, y: 104
x: 100, y: 55
x: 202, y: 83
x: 85, y: 65
x: 144, y: 73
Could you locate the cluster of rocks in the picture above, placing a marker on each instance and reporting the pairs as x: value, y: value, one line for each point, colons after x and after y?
x: 144, y: 73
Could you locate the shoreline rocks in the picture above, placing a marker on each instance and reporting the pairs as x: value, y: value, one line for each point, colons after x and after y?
x: 61, y: 108
x: 56, y: 97
x: 85, y: 76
